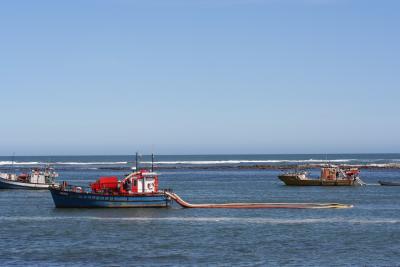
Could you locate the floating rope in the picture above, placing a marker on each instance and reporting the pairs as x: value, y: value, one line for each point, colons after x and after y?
x: 185, y: 204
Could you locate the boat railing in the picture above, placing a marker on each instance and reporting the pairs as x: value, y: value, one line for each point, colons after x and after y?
x: 74, y: 188
x: 88, y: 189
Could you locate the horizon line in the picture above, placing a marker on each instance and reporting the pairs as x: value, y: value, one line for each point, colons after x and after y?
x: 211, y: 154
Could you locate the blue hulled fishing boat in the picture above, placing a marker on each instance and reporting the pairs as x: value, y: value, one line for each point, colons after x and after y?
x: 138, y: 189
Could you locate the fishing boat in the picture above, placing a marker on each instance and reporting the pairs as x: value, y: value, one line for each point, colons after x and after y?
x: 37, y: 179
x: 330, y: 176
x: 387, y: 183
x: 138, y: 189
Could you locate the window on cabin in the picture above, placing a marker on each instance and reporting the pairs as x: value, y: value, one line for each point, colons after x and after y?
x: 135, y: 183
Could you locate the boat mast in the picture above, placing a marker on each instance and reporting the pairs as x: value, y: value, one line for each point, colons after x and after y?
x: 137, y: 161
x: 12, y: 163
x: 152, y: 162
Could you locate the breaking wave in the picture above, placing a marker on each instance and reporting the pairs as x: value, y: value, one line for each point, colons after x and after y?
x: 368, y: 163
x: 62, y: 163
x: 211, y: 162
x: 20, y: 163
x: 91, y: 163
x: 183, y: 162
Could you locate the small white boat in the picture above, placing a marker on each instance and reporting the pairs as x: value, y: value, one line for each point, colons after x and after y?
x: 37, y: 179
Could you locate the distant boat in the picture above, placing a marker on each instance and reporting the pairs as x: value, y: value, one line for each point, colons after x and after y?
x: 37, y: 179
x: 387, y: 183
x: 330, y: 176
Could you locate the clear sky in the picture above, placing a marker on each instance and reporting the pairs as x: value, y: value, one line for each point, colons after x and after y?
x: 188, y: 77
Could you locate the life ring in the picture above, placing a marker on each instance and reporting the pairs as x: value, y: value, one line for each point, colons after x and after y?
x: 150, y: 186
x: 78, y: 189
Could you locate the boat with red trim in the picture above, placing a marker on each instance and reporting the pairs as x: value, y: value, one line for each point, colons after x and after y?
x: 138, y: 189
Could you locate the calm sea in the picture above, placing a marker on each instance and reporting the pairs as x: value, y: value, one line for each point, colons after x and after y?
x: 33, y: 232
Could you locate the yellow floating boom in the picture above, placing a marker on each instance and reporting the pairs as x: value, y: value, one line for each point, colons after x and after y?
x: 185, y: 204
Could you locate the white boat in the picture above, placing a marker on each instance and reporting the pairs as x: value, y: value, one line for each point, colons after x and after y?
x: 37, y: 179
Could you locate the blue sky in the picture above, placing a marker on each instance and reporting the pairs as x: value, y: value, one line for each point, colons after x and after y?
x: 188, y: 77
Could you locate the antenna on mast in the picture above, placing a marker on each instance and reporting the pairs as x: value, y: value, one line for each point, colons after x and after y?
x: 152, y: 162
x: 12, y: 163
x: 137, y: 161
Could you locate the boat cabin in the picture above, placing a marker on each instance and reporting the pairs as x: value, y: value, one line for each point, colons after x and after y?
x: 37, y: 177
x: 140, y: 182
x: 335, y: 173
x: 329, y: 173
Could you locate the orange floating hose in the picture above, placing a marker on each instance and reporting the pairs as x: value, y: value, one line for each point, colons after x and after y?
x: 185, y: 204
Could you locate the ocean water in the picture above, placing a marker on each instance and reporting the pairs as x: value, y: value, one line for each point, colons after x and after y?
x: 33, y: 232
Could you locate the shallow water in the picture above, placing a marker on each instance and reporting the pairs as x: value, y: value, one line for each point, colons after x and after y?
x: 33, y: 232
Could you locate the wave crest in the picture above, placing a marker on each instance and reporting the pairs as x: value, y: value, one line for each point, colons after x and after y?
x: 212, y: 162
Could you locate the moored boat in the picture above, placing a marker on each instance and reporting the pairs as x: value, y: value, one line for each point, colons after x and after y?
x: 330, y: 176
x: 139, y: 189
x: 37, y: 179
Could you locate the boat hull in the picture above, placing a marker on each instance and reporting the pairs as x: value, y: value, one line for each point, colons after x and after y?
x: 294, y: 180
x: 385, y: 183
x: 69, y: 199
x: 7, y: 184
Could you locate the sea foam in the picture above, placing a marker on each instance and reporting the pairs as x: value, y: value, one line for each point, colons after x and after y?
x: 212, y: 162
